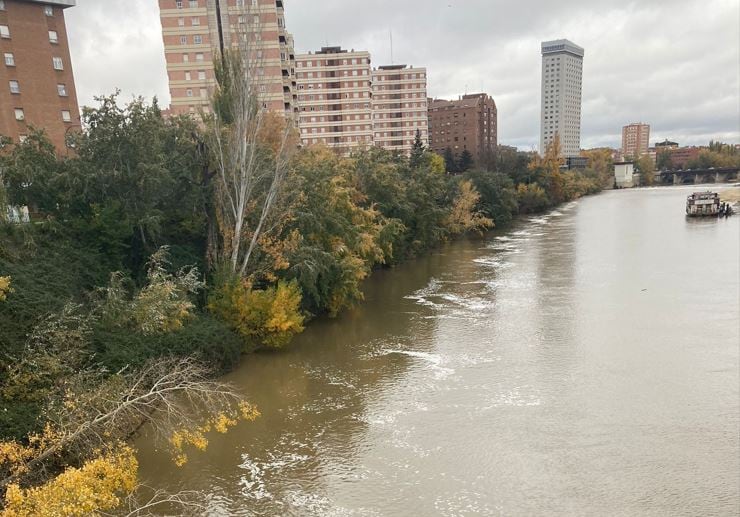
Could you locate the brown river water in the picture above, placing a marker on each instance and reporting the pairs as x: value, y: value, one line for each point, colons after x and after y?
x: 583, y: 362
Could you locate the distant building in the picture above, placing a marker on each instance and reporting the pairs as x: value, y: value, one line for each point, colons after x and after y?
x: 469, y: 123
x: 576, y: 162
x: 195, y: 32
x: 666, y: 145
x: 635, y: 139
x: 37, y: 88
x: 624, y: 174
x: 562, y: 67
x: 680, y: 156
x: 335, y: 98
x: 399, y: 107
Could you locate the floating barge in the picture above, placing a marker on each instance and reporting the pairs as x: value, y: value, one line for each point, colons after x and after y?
x: 701, y: 204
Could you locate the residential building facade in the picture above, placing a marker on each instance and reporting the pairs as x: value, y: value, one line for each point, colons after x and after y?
x: 195, y: 32
x: 37, y: 86
x: 635, y: 139
x: 562, y: 74
x: 399, y: 105
x: 469, y: 123
x: 335, y: 98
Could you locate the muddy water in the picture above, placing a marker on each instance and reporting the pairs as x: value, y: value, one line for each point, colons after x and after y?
x: 581, y: 363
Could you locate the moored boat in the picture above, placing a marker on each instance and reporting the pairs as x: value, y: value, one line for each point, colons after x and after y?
x: 702, y: 204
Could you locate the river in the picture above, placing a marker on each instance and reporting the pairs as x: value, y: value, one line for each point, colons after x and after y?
x: 583, y: 362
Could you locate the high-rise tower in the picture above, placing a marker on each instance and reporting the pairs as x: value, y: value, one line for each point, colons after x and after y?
x: 196, y: 31
x: 562, y: 67
x: 37, y: 88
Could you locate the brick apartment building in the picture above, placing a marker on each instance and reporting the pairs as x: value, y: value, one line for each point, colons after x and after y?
x: 196, y: 31
x: 335, y: 98
x: 635, y: 140
x: 37, y: 87
x: 399, y: 107
x: 469, y: 123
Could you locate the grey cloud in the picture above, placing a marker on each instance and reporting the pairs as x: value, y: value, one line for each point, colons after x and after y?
x: 671, y: 64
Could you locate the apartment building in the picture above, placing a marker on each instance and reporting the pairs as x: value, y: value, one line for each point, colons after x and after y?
x: 562, y: 69
x: 335, y: 98
x: 37, y: 86
x: 196, y: 31
x: 399, y: 105
x: 469, y: 123
x: 635, y: 139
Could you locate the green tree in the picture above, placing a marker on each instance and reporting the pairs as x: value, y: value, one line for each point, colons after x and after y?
x: 465, y: 162
x: 646, y: 167
x: 498, y: 199
x: 417, y: 150
x: 663, y: 161
x: 450, y: 161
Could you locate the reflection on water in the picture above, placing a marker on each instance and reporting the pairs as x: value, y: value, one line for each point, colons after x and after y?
x: 584, y: 362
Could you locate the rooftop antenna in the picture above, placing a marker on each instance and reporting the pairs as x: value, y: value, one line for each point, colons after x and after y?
x: 390, y: 33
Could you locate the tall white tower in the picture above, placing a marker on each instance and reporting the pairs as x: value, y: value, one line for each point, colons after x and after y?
x: 562, y: 67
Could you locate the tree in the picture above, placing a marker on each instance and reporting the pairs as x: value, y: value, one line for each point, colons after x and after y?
x: 417, y: 150
x: 466, y: 161
x: 646, y: 167
x: 250, y: 166
x: 5, y: 288
x: 450, y: 161
x: 664, y: 161
x: 464, y: 215
x: 497, y: 195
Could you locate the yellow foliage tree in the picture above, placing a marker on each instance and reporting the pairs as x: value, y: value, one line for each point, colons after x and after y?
x: 5, y: 288
x: 269, y: 317
x: 464, y: 216
x: 100, y: 484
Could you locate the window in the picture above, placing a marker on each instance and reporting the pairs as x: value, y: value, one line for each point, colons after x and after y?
x: 202, y: 75
x: 9, y: 59
x: 181, y: 22
x: 48, y: 10
x: 53, y: 37
x: 183, y: 40
x: 189, y: 93
x: 187, y: 76
x: 254, y: 3
x: 15, y: 87
x: 193, y: 4
x: 195, y: 21
x: 240, y: 3
x: 58, y: 65
x: 22, y: 138
x: 178, y: 4
x: 62, y: 90
x: 198, y: 39
x: 66, y: 116
x: 4, y: 31
x: 199, y: 57
x: 2, y: 5
x: 19, y: 114
x: 185, y: 58
x: 203, y: 93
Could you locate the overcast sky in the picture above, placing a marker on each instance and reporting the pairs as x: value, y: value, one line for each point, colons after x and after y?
x: 671, y: 63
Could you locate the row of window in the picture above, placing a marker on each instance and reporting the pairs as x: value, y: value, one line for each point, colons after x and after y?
x: 48, y: 10
x: 197, y: 40
x: 56, y: 62
x: 5, y: 33
x: 20, y: 115
x: 15, y: 88
x: 325, y: 62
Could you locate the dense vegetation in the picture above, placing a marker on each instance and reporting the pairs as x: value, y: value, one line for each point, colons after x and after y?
x: 158, y: 240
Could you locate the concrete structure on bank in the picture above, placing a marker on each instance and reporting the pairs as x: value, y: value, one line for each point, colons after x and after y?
x: 635, y: 140
x: 562, y: 69
x: 335, y: 98
x: 624, y: 174
x: 37, y: 87
x: 469, y: 123
x: 195, y: 32
x: 399, y: 105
